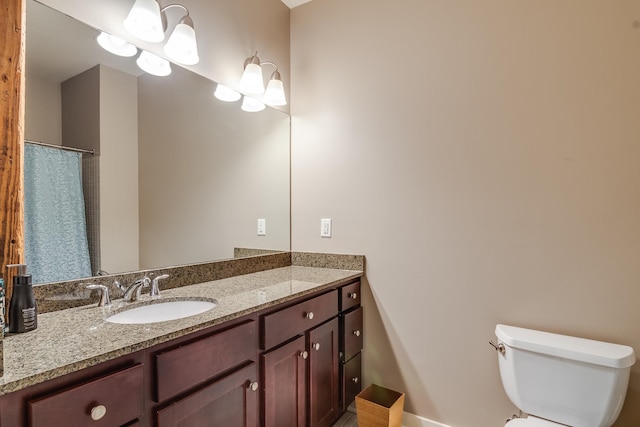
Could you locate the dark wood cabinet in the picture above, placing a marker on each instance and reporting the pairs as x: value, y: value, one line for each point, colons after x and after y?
x: 292, y: 365
x: 230, y: 401
x: 351, y: 343
x: 284, y: 376
x: 324, y: 375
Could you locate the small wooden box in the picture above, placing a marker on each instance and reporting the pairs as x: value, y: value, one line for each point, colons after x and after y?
x: 379, y: 407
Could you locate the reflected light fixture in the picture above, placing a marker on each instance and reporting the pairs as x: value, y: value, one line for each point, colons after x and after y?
x: 252, y: 81
x: 153, y: 64
x: 148, y: 22
x: 116, y: 45
x: 252, y: 105
x: 225, y: 93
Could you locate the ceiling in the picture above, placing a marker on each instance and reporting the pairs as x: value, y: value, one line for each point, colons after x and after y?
x: 294, y: 3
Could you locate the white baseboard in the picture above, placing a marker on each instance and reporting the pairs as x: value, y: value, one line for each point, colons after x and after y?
x: 410, y: 420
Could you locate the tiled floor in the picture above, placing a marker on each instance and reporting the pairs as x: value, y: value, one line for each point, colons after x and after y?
x: 349, y: 419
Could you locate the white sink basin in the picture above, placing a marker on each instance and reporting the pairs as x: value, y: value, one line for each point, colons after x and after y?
x: 161, y: 312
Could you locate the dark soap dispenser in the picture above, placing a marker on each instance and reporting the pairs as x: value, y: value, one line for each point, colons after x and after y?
x: 23, y: 313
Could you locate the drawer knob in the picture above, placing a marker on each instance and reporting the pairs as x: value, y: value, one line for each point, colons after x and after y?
x: 356, y: 332
x: 304, y: 354
x: 316, y: 346
x: 98, y: 412
x: 254, y: 386
x: 353, y: 295
x: 309, y: 315
x: 355, y: 380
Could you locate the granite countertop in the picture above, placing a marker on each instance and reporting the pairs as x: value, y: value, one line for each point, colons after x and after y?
x: 69, y: 340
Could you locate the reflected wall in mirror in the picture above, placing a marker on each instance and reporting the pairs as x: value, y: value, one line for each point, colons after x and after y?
x: 178, y: 176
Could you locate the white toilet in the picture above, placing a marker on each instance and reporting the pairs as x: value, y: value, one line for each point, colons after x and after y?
x: 560, y: 380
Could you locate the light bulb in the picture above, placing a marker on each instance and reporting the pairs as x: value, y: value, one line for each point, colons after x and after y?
x: 252, y: 81
x: 153, y: 64
x: 252, y: 105
x: 225, y: 93
x: 274, y: 95
x: 144, y: 21
x: 181, y: 46
x: 116, y: 45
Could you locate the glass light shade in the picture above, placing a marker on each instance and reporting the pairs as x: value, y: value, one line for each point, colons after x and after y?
x: 252, y: 105
x: 116, y: 45
x: 225, y: 93
x: 251, y: 81
x: 181, y: 46
x: 153, y: 64
x: 274, y: 95
x: 144, y: 21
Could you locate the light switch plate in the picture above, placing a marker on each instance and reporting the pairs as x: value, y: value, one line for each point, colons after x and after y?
x: 325, y: 227
x: 262, y: 227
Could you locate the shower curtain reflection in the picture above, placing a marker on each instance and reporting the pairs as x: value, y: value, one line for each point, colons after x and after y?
x: 56, y: 246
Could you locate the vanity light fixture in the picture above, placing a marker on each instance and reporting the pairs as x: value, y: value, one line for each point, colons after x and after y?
x: 251, y: 105
x: 116, y: 45
x: 252, y: 81
x: 148, y: 22
x: 225, y: 93
x: 153, y: 64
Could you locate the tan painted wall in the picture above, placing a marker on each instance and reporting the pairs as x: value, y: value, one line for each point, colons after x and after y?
x: 43, y: 115
x: 208, y: 171
x: 484, y: 156
x: 119, y: 211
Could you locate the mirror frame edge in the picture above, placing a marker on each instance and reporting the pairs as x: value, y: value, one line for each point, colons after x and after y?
x: 12, y: 105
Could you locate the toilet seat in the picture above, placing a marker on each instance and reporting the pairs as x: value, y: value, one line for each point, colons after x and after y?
x: 532, y: 421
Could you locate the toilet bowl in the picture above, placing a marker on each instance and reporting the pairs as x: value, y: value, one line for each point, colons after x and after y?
x: 561, y: 380
x: 532, y: 422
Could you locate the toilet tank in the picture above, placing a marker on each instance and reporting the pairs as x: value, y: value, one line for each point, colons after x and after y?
x: 568, y: 380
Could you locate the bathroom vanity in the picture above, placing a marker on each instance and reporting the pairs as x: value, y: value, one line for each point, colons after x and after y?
x: 281, y: 348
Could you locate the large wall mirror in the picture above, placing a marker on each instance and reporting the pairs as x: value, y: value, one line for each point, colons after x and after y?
x: 177, y: 177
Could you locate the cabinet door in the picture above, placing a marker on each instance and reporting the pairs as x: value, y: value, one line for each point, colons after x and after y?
x: 324, y: 387
x: 231, y: 402
x: 284, y: 371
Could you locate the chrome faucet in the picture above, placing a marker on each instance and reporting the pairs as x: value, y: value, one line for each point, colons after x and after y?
x: 104, y: 294
x: 135, y: 289
x: 155, y: 290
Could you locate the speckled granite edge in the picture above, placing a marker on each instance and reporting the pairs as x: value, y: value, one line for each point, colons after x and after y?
x: 63, y: 295
x: 321, y: 260
x: 248, y: 252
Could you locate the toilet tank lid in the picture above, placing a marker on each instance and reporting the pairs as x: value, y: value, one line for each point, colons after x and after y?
x: 567, y: 347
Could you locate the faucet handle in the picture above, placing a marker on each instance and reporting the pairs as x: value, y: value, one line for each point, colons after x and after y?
x: 104, y: 294
x: 155, y: 289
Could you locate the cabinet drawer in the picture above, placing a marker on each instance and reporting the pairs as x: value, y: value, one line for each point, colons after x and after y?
x: 184, y: 367
x: 349, y: 296
x: 352, y: 337
x: 351, y: 380
x: 289, y: 322
x: 115, y: 399
x: 229, y: 401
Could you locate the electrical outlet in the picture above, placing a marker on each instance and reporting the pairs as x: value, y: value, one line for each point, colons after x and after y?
x: 325, y: 227
x: 262, y: 227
